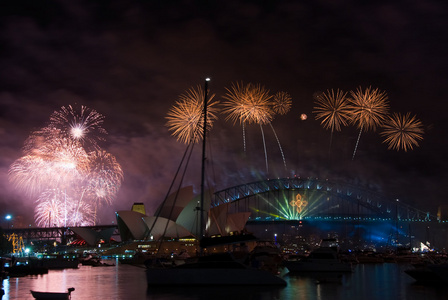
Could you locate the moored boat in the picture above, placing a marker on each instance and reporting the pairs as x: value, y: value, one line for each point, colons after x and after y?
x: 57, y: 261
x: 323, y: 259
x: 425, y: 275
x: 216, y: 269
x: 22, y: 266
x: 52, y: 295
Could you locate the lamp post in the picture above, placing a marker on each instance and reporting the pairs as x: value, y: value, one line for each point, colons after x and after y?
x: 204, y: 134
x: 8, y: 219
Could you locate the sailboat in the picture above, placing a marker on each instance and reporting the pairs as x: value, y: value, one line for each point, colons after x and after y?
x: 221, y: 269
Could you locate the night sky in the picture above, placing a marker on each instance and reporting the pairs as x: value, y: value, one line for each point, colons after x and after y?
x: 130, y: 61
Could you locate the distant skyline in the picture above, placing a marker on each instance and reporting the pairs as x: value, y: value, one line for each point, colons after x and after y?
x: 131, y: 60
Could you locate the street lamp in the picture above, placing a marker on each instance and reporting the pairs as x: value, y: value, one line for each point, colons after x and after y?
x: 8, y: 218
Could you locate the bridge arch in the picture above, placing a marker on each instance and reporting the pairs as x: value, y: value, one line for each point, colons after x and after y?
x: 299, y: 198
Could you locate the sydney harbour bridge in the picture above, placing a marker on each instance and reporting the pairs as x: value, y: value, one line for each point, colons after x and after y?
x: 311, y: 205
x: 310, y: 198
x: 322, y: 207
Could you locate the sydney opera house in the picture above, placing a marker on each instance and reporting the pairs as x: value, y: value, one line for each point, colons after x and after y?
x: 177, y: 221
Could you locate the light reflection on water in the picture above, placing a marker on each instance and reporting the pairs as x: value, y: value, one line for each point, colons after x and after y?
x: 370, y: 282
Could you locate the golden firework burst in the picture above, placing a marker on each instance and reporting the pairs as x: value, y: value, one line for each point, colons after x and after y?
x: 402, y: 132
x: 333, y: 109
x: 368, y: 108
x: 282, y: 103
x: 185, y: 118
x: 250, y: 103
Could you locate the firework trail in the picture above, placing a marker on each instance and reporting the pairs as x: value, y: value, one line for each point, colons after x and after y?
x: 185, y: 118
x: 84, y: 214
x: 236, y: 107
x: 333, y: 109
x: 280, y: 146
x: 281, y: 105
x: 61, y: 174
x: 368, y: 110
x: 402, y: 132
x: 265, y: 150
x: 56, y: 208
x: 249, y: 104
x: 253, y: 104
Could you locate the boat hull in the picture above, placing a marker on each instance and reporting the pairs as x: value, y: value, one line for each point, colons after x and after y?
x: 210, y: 276
x: 323, y: 259
x: 318, y: 266
x: 424, y: 275
x: 56, y: 262
x: 52, y: 295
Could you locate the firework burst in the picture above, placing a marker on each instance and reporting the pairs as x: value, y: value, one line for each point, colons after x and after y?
x: 282, y: 103
x: 50, y: 209
x: 59, y: 172
x: 369, y: 109
x: 57, y: 208
x: 333, y: 109
x: 248, y: 104
x: 251, y: 104
x: 84, y: 125
x: 185, y: 118
x: 104, y: 179
x: 60, y: 163
x: 402, y: 132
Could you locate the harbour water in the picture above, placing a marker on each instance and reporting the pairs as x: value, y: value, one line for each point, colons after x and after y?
x: 367, y: 282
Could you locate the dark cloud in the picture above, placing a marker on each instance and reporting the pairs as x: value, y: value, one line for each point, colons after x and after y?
x: 130, y: 60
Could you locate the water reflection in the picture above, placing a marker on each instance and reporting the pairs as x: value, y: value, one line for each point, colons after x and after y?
x: 370, y: 282
x: 216, y: 293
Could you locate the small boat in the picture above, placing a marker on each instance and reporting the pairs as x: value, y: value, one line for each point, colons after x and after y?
x: 404, y: 255
x: 216, y: 270
x: 52, y: 295
x: 22, y: 266
x: 103, y: 264
x: 424, y: 275
x: 57, y: 261
x: 95, y: 261
x: 91, y: 259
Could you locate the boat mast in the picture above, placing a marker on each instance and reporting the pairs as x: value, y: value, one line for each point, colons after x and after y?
x: 204, y: 133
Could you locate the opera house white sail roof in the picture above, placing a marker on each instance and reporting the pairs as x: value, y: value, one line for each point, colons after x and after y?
x: 178, y: 217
